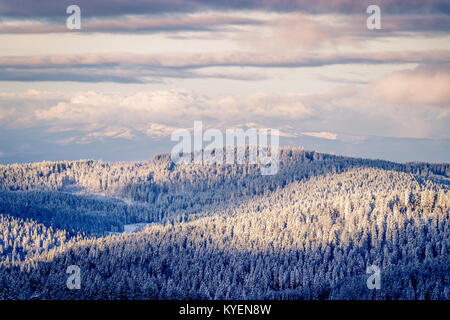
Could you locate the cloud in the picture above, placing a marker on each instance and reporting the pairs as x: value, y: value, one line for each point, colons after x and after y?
x: 232, y: 58
x: 383, y: 107
x: 132, y: 24
x: 323, y: 135
x: 49, y: 8
x: 112, y: 132
x: 346, y: 112
x: 425, y: 85
x: 287, y: 31
x: 295, y: 30
x: 155, y: 113
x: 159, y: 130
x: 416, y: 22
x: 145, y: 68
x: 125, y: 74
x: 92, y: 75
x: 254, y: 31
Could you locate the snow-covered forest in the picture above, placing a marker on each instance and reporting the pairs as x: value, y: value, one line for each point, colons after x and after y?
x: 225, y: 231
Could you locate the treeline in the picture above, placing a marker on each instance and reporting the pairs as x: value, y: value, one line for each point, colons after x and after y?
x: 158, y: 190
x: 146, y: 181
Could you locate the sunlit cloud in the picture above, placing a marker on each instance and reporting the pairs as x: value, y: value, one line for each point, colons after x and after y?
x: 323, y: 135
x: 141, y: 68
x: 421, y: 86
x: 130, y: 24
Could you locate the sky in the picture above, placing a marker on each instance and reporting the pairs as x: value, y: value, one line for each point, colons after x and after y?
x: 138, y: 70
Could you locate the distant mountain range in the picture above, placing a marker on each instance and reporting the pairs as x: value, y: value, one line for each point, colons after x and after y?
x: 29, y: 146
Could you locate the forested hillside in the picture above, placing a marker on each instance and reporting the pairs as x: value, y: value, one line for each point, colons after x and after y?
x: 225, y: 231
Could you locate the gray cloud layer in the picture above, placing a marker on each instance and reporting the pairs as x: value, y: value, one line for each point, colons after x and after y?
x: 212, y: 22
x: 51, y: 8
x: 140, y: 68
x: 132, y: 24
